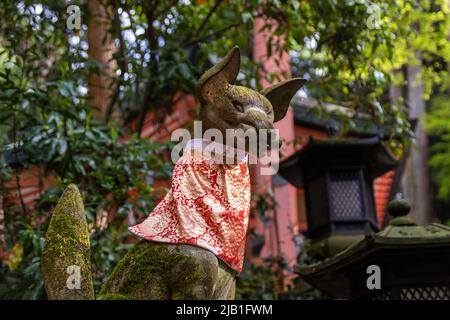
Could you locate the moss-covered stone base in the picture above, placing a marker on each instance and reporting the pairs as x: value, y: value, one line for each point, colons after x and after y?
x: 165, y: 271
x: 149, y: 271
x: 67, y: 244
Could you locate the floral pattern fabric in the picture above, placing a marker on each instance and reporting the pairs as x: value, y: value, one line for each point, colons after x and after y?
x: 207, y: 205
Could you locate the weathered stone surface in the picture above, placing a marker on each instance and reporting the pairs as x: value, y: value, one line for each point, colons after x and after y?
x: 166, y: 271
x: 149, y: 271
x: 67, y: 244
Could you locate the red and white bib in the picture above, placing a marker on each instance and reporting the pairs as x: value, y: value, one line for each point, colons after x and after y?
x: 207, y: 205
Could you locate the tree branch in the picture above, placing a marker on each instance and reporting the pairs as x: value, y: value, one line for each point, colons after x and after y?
x: 16, y: 157
x: 122, y: 61
x: 211, y: 35
x: 153, y: 65
x: 208, y: 16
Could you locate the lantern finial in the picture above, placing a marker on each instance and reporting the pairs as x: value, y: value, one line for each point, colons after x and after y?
x: 399, y: 208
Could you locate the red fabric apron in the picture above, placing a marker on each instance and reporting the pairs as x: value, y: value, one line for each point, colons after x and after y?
x: 207, y: 205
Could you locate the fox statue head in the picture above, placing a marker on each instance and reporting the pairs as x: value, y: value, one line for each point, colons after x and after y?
x: 225, y: 105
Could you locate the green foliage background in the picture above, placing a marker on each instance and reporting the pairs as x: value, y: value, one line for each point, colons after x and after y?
x: 437, y: 125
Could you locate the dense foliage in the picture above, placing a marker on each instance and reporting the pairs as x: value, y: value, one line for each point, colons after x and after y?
x: 438, y: 126
x: 346, y: 52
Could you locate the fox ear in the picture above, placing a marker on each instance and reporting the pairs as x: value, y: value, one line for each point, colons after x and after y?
x: 225, y: 71
x: 281, y: 94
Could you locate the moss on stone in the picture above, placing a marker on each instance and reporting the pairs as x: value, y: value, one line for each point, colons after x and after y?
x: 226, y: 70
x: 67, y: 244
x: 112, y: 296
x: 399, y: 208
x: 166, y: 271
x: 195, y: 275
x: 140, y: 274
x: 149, y: 271
x: 225, y: 288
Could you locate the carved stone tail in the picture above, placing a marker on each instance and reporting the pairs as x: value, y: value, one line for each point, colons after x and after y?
x: 66, y: 265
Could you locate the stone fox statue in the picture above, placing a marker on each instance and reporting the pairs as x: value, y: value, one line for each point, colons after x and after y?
x: 193, y: 242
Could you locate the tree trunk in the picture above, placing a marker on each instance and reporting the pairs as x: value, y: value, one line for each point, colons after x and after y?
x: 101, y: 50
x: 415, y: 181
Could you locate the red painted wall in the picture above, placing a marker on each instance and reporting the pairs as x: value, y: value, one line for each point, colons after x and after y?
x: 280, y: 235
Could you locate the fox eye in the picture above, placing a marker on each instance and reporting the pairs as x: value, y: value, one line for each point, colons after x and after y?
x: 238, y: 106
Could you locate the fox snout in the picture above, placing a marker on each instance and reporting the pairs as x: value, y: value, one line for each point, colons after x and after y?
x: 257, y: 118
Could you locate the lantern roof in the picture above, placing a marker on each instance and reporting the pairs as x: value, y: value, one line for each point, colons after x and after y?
x: 368, y: 151
x: 402, y: 239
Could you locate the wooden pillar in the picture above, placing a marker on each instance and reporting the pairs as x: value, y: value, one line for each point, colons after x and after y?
x: 279, y: 236
x: 416, y: 182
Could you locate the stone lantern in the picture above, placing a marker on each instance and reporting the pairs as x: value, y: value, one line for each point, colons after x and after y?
x: 411, y: 262
x: 337, y: 176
